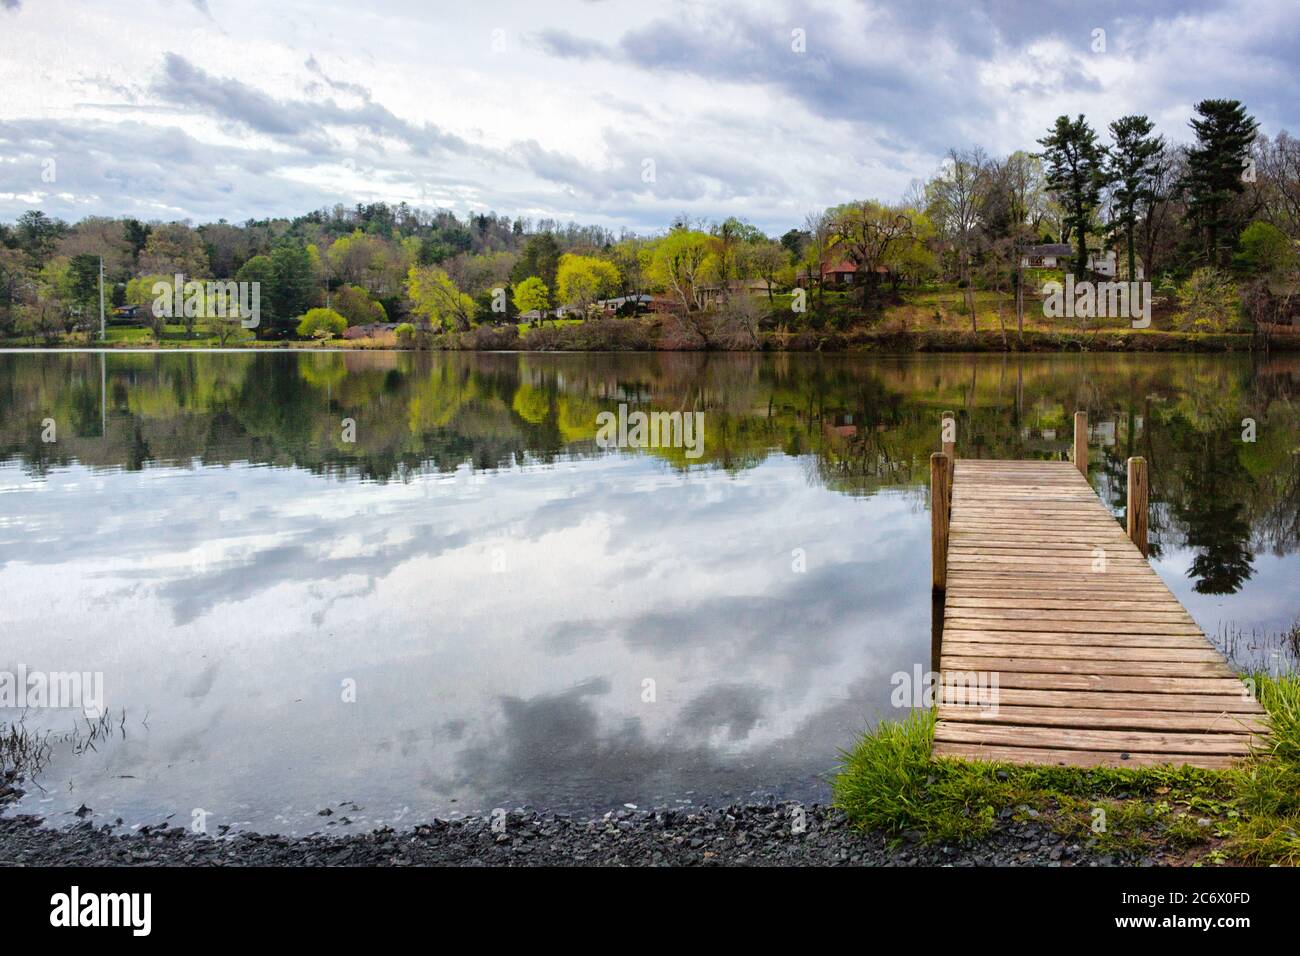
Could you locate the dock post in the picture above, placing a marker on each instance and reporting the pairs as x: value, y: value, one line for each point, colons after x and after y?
x: 940, y: 477
x: 1081, y: 442
x: 948, y: 440
x: 1137, y: 503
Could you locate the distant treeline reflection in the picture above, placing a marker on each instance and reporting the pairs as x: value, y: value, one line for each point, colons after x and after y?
x: 861, y: 424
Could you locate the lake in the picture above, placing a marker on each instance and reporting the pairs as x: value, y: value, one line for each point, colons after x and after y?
x: 405, y: 585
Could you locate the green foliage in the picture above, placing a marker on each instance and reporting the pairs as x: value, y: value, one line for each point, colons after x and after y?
x: 355, y: 304
x: 1266, y: 251
x: 679, y: 264
x: 318, y: 321
x: 292, y: 286
x: 531, y: 294
x: 435, y: 296
x: 1208, y: 302
x: 581, y: 280
x: 259, y: 269
x: 539, y: 259
x: 1132, y: 166
x: 1213, y: 174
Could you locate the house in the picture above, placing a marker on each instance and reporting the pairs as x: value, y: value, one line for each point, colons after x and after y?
x: 840, y: 273
x: 625, y: 304
x: 711, y: 295
x: 1060, y: 255
x: 837, y: 274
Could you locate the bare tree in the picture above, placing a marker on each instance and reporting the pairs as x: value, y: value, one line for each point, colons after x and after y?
x: 956, y: 195
x: 1278, y: 180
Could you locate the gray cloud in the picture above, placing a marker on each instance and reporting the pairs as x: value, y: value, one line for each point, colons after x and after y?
x: 735, y: 121
x: 188, y: 85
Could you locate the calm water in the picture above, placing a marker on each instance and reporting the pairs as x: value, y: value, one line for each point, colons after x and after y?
x: 523, y: 617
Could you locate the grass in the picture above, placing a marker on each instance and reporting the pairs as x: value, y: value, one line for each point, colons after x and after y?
x: 945, y: 309
x: 525, y: 327
x: 1248, y: 814
x: 174, y: 336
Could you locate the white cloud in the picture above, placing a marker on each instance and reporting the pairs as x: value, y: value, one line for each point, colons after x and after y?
x: 237, y: 109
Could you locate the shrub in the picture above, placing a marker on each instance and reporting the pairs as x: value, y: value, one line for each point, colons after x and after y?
x: 405, y: 334
x: 321, y: 323
x: 1208, y: 302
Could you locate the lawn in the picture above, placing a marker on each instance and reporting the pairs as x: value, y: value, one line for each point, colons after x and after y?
x: 525, y: 327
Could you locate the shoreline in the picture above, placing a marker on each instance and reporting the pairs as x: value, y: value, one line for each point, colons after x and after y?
x: 875, y: 342
x: 745, y: 834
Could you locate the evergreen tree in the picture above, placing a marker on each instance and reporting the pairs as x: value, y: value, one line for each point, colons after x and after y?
x: 1213, y: 178
x: 1076, y: 174
x: 1134, y: 161
x: 540, y: 257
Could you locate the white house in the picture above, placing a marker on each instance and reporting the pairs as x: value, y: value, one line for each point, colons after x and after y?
x: 1060, y: 255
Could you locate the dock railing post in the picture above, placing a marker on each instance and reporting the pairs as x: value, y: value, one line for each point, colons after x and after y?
x: 948, y: 441
x: 1081, y: 442
x: 940, y: 477
x: 1137, y: 503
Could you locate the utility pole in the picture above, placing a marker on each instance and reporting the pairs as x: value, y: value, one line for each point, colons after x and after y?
x: 101, y: 298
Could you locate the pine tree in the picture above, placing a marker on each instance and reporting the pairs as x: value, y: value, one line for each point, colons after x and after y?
x: 1134, y: 161
x: 1224, y: 134
x: 1076, y: 174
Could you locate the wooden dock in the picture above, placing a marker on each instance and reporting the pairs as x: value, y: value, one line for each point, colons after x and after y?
x: 1093, y: 660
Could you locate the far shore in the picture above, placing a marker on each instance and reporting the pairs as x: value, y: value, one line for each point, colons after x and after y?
x: 879, y: 341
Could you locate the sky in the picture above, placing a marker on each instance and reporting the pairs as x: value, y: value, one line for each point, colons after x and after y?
x: 622, y: 114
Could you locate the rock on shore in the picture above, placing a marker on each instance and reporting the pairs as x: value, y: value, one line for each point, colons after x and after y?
x: 738, y: 835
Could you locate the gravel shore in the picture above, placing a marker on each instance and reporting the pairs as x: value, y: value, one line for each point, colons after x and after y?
x: 760, y: 834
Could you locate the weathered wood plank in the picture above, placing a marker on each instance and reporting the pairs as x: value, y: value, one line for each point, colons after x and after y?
x: 1232, y: 703
x: 1041, y: 756
x: 1079, y: 739
x: 1183, y: 721
x: 1112, y: 683
x: 951, y: 624
x: 1075, y: 639
x: 1039, y: 665
x: 1045, y: 603
x: 1067, y: 652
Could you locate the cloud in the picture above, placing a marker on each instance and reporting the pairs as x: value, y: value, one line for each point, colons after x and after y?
x: 568, y: 46
x: 187, y: 85
x: 736, y: 118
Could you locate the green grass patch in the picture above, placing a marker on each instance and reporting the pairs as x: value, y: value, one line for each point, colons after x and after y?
x: 1249, y: 814
x: 525, y: 327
